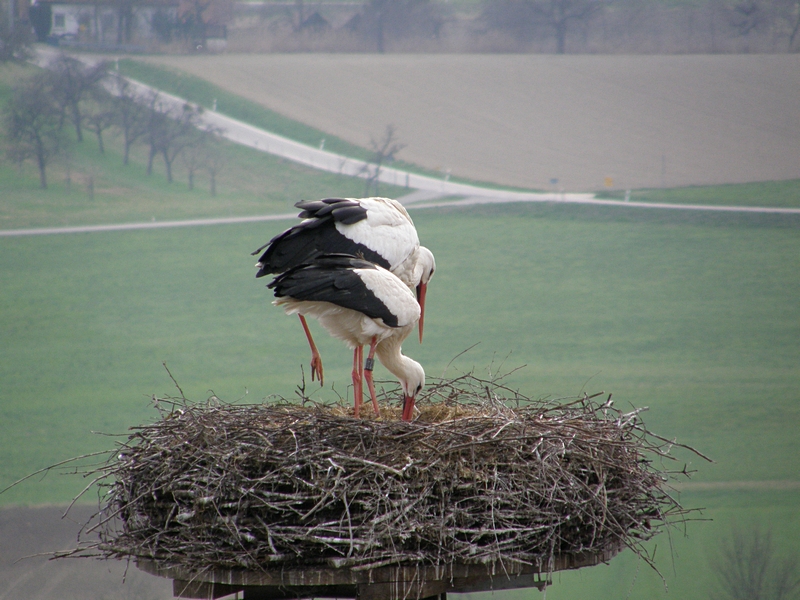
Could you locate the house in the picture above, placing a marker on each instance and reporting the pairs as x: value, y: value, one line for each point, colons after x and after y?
x: 105, y: 21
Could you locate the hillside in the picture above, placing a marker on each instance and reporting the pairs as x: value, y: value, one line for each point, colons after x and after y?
x: 694, y: 315
x: 523, y: 120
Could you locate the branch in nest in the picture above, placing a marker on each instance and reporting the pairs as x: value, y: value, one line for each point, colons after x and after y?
x: 484, y: 474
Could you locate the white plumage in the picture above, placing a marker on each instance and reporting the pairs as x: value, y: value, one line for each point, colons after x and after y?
x: 387, y: 230
x: 378, y: 230
x: 360, y: 304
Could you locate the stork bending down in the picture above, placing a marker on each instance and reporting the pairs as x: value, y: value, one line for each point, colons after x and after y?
x: 376, y: 229
x: 361, y: 304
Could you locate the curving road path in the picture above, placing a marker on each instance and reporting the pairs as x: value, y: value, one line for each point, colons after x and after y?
x: 428, y: 190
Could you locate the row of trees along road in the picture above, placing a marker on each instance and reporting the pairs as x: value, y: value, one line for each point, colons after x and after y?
x: 525, y: 19
x: 560, y: 25
x: 90, y: 98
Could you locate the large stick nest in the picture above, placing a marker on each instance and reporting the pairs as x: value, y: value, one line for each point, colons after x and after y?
x: 483, y: 474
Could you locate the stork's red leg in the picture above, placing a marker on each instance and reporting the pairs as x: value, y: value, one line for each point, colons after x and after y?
x: 316, y: 359
x: 368, y: 375
x: 358, y: 374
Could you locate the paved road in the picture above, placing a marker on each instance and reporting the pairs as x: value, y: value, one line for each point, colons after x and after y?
x: 143, y: 225
x: 247, y: 135
x: 412, y: 201
x: 265, y: 141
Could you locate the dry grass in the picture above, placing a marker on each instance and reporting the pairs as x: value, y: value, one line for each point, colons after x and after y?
x: 483, y: 474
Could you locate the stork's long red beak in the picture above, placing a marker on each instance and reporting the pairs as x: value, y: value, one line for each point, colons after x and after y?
x: 422, y: 288
x: 408, y: 407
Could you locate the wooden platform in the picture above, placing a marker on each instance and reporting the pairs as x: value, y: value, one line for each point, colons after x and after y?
x: 383, y: 583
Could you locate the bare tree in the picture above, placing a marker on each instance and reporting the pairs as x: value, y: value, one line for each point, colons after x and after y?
x: 170, y: 131
x: 383, y: 151
x: 125, y: 19
x: 72, y: 82
x: 748, y: 568
x: 15, y: 39
x: 32, y: 125
x: 215, y: 162
x: 101, y: 116
x: 398, y: 18
x: 192, y: 23
x: 41, y: 16
x: 523, y: 18
x: 787, y: 15
x: 193, y: 158
x: 299, y: 8
x: 203, y: 155
x: 156, y: 122
x: 747, y: 16
x: 131, y: 115
x: 778, y: 18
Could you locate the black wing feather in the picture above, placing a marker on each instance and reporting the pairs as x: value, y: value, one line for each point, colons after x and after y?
x: 349, y: 214
x: 315, y: 236
x: 332, y: 278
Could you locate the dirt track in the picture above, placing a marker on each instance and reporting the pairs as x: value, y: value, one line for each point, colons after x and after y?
x: 644, y: 121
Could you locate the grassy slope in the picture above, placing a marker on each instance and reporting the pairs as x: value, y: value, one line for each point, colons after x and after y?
x: 205, y: 94
x: 691, y: 315
x: 778, y: 194
x: 781, y: 194
x: 251, y: 183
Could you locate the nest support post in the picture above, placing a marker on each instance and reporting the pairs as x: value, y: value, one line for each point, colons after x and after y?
x: 385, y: 583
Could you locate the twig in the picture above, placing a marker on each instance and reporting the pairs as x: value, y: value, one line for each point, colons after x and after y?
x: 483, y: 475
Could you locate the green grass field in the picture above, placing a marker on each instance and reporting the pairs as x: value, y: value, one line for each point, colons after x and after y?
x: 693, y: 315
x: 776, y: 194
x: 250, y: 183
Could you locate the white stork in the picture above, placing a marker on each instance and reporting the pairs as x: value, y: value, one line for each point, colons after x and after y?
x: 376, y: 229
x: 360, y: 303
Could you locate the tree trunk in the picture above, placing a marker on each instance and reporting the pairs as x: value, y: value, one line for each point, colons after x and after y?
x: 42, y: 166
x: 76, y: 118
x: 380, y: 32
x: 150, y: 161
x: 167, y: 165
x: 100, y: 141
x: 120, y: 22
x: 561, y: 37
x: 795, y: 30
x: 124, y: 23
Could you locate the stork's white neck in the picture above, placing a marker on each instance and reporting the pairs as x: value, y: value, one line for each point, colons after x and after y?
x: 407, y: 370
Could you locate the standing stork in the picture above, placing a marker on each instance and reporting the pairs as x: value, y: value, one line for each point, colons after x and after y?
x: 378, y: 230
x: 359, y: 303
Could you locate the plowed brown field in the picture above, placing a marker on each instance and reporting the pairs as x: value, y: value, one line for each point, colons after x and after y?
x: 522, y: 120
